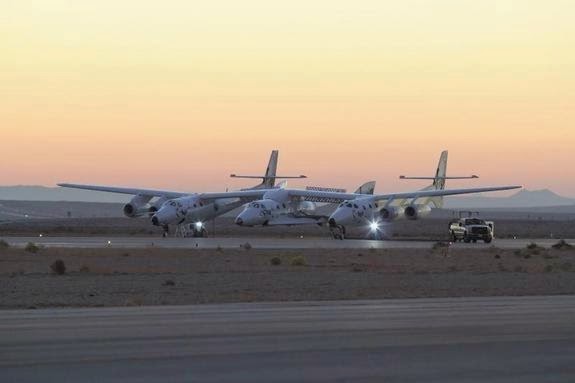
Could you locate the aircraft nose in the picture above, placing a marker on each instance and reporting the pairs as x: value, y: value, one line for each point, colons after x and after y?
x: 332, y: 222
x: 239, y: 221
x: 155, y: 221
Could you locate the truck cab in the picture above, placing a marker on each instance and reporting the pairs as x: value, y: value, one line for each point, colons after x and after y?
x: 471, y: 230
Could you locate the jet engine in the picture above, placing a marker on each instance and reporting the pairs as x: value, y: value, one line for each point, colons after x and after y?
x: 391, y: 213
x: 137, y: 206
x: 157, y: 204
x: 414, y: 212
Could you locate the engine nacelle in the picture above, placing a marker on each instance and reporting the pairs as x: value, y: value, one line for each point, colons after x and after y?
x: 391, y: 213
x: 413, y: 212
x: 137, y: 206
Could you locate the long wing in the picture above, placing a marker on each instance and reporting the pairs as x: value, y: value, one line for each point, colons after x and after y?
x: 335, y: 197
x: 119, y: 190
x: 439, y: 193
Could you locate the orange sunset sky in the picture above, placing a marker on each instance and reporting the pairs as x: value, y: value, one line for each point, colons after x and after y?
x: 179, y: 94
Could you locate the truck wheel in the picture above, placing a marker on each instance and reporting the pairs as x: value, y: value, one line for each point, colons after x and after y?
x: 474, y: 241
x: 466, y: 239
x: 488, y: 240
x: 453, y: 237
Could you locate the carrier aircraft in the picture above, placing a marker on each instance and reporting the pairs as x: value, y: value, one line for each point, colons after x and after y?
x: 355, y: 209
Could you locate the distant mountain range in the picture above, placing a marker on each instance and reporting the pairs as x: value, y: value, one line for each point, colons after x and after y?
x: 522, y: 199
x: 42, y: 193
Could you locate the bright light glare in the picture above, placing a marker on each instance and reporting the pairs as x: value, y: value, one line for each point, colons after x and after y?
x: 374, y: 226
x: 199, y: 225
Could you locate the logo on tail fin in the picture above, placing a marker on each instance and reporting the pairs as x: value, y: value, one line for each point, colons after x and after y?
x: 366, y: 188
x: 441, y: 173
x: 271, y: 171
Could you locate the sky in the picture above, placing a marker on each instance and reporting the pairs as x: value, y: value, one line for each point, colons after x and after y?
x: 178, y: 94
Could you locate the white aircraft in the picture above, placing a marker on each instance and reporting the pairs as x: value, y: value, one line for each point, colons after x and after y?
x: 186, y: 209
x: 375, y: 212
x: 278, y: 207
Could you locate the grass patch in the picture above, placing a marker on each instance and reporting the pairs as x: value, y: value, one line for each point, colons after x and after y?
x: 247, y: 246
x: 31, y: 247
x: 298, y: 261
x: 4, y: 244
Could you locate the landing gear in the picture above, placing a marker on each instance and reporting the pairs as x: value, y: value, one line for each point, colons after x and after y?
x: 195, y: 230
x: 199, y: 233
x: 338, y: 232
x: 166, y: 231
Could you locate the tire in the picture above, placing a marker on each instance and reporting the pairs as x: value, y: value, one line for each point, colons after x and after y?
x: 453, y: 237
x: 474, y: 241
x: 488, y: 240
x: 466, y: 239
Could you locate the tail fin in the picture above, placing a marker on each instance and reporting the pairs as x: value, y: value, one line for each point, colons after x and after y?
x: 366, y: 188
x: 441, y: 173
x: 270, y: 177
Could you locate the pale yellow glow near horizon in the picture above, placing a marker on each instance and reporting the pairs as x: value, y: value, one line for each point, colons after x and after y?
x: 178, y: 94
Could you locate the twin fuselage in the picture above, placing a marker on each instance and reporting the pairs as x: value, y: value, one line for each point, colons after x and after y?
x: 273, y: 205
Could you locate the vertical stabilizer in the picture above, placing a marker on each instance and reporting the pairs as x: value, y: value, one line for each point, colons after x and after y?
x: 441, y: 173
x: 271, y: 171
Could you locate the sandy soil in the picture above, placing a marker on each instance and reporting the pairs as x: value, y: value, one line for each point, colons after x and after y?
x: 114, y: 277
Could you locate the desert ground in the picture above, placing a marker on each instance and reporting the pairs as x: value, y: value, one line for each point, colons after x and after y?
x: 132, y: 277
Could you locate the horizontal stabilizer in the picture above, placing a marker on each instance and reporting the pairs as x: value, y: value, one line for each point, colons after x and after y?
x: 443, y: 178
x: 268, y: 177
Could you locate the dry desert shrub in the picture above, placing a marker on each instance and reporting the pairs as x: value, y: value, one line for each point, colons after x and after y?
x: 276, y: 261
x: 58, y: 267
x: 4, y: 244
x: 562, y: 245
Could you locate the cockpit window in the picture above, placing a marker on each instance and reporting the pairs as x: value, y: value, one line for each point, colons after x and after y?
x: 349, y: 205
x: 355, y: 206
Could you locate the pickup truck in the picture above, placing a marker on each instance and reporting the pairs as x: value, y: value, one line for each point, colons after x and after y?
x: 471, y: 230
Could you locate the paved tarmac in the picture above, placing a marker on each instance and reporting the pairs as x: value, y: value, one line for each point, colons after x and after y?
x: 256, y: 243
x: 529, y: 339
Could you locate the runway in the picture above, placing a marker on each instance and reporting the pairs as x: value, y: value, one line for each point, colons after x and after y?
x: 528, y: 339
x: 257, y: 243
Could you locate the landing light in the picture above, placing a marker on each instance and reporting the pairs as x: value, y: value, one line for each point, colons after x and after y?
x: 374, y: 226
x: 199, y: 225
